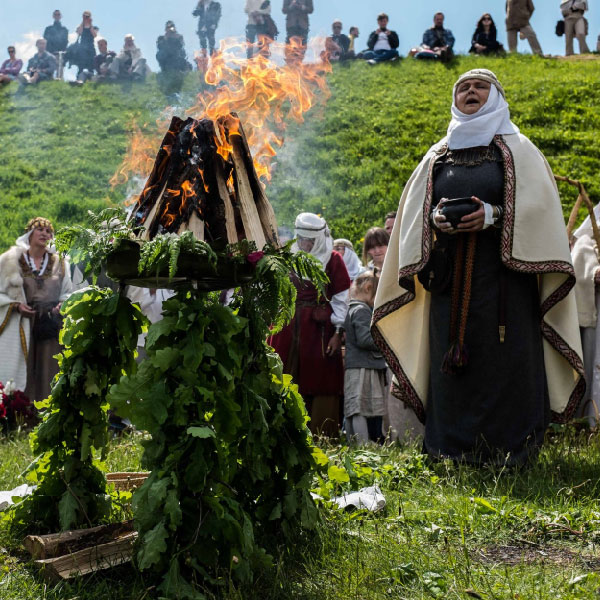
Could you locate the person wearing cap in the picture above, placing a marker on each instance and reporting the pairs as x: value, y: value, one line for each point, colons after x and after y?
x: 129, y: 63
x: 337, y: 44
x: 209, y: 15
x: 310, y: 346
x: 382, y: 44
x: 34, y: 281
x: 518, y: 15
x: 474, y: 312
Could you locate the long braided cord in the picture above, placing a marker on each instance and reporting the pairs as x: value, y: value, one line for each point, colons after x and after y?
x: 457, y: 357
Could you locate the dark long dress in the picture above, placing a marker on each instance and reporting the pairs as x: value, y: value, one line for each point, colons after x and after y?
x: 87, y: 51
x: 499, y: 405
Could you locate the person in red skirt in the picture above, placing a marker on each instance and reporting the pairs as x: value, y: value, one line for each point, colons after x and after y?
x: 310, y: 346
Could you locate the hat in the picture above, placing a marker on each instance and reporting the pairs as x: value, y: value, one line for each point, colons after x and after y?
x: 484, y: 75
x: 169, y: 24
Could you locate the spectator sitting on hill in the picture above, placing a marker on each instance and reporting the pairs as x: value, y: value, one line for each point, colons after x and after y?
x: 383, y: 43
x: 352, y: 35
x: 11, y: 67
x: 56, y: 35
x: 129, y: 63
x: 209, y: 15
x: 438, y: 40
x: 40, y: 67
x: 390, y: 219
x: 103, y: 59
x: 171, y: 54
x: 337, y: 44
x: 484, y: 39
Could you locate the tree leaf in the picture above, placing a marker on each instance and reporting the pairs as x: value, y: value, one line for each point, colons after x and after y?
x: 67, y: 510
x: 201, y: 432
x: 153, y: 546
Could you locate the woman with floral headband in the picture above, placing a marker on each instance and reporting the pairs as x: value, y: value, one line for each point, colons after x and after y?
x: 473, y: 311
x: 34, y: 281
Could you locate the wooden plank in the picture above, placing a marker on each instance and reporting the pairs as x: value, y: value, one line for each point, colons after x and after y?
x: 232, y: 236
x: 126, y: 474
x: 265, y: 210
x: 56, y: 544
x: 89, y: 560
x: 250, y: 218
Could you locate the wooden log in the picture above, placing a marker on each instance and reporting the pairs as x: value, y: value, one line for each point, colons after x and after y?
x: 263, y: 206
x: 89, y: 560
x: 57, y: 544
x: 253, y: 227
x: 232, y: 235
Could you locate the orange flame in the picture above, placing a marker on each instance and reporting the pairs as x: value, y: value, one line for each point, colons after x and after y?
x: 265, y: 95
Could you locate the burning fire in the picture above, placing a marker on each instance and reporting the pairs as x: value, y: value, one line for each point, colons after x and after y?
x: 264, y: 95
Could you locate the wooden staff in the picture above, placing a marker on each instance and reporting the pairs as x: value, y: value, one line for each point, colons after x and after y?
x: 582, y: 198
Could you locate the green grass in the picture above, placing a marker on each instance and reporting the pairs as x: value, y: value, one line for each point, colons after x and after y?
x: 451, y: 532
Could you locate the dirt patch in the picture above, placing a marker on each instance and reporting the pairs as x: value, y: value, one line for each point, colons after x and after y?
x: 518, y: 554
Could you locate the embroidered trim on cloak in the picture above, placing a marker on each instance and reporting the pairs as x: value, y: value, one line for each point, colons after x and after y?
x: 405, y: 391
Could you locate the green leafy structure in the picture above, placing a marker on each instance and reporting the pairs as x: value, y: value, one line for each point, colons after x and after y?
x: 99, y: 338
x: 88, y: 246
x: 230, y: 453
x: 162, y: 252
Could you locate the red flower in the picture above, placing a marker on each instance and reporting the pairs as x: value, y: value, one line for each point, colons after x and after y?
x: 2, y: 411
x: 255, y: 257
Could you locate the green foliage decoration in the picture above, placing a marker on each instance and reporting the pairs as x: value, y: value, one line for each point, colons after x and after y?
x: 99, y: 337
x: 231, y: 456
x: 163, y: 251
x: 88, y: 246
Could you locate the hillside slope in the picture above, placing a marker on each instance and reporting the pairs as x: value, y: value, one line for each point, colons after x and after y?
x: 349, y: 162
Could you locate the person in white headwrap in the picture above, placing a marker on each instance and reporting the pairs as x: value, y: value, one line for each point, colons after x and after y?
x: 475, y: 315
x: 34, y: 281
x: 586, y: 261
x: 310, y: 346
x: 351, y: 260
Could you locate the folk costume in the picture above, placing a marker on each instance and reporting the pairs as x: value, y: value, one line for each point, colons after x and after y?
x: 302, y: 345
x: 587, y: 293
x: 493, y: 351
x: 27, y: 346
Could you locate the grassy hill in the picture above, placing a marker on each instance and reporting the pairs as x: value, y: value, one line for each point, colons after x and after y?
x: 349, y: 162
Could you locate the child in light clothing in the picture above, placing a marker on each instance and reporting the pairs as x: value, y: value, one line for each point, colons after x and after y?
x: 365, y: 386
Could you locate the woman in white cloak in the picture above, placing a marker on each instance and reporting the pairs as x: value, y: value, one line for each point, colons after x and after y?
x: 492, y: 352
x: 34, y: 281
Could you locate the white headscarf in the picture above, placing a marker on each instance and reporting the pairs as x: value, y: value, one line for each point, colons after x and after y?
x: 479, y: 129
x: 312, y: 226
x: 353, y: 264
